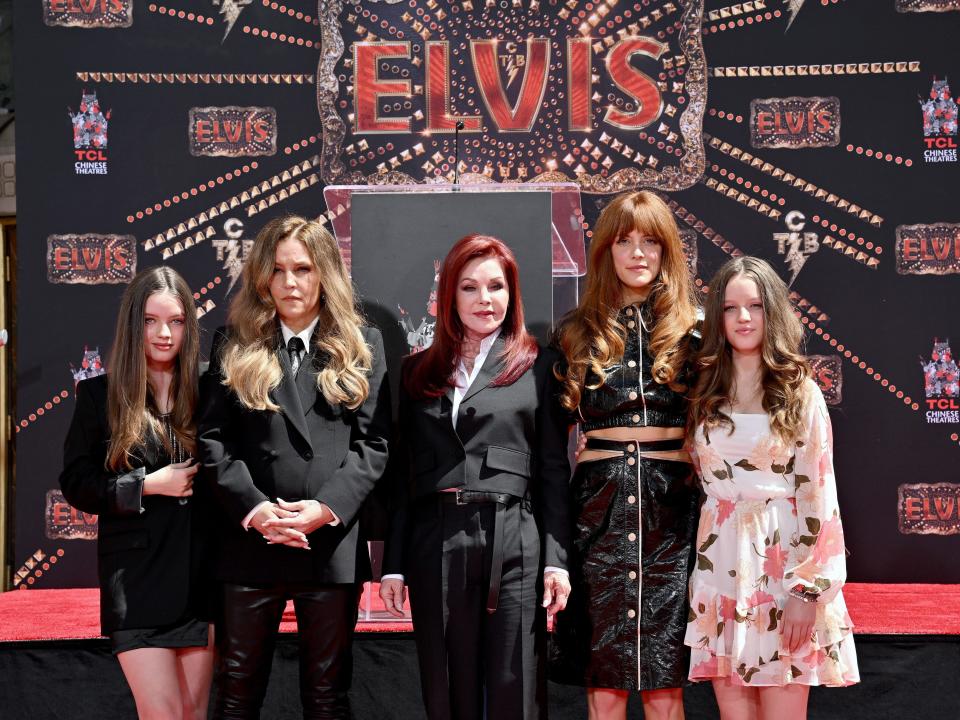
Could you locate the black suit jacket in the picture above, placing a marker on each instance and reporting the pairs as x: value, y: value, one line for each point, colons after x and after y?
x: 308, y: 450
x: 509, y: 439
x: 151, y: 562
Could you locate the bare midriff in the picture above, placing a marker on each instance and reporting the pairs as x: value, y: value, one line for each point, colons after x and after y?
x: 637, y: 434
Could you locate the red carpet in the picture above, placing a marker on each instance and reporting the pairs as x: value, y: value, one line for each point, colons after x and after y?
x: 877, y: 609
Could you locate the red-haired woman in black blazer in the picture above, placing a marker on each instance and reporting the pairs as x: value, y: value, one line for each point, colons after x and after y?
x: 481, y: 530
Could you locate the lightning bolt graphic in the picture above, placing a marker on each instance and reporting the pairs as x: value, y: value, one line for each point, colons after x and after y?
x: 793, y: 7
x: 230, y: 9
x: 512, y: 71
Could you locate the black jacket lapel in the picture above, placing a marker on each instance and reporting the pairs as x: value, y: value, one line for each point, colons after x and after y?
x: 492, y: 366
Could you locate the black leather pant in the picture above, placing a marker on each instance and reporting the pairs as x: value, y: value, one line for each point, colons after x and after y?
x: 326, y: 617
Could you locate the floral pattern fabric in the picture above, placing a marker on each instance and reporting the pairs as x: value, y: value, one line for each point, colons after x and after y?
x: 770, y: 526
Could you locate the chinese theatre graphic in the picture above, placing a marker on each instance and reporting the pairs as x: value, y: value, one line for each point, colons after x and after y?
x: 90, y: 136
x: 941, y: 384
x: 612, y: 98
x: 88, y: 13
x: 795, y: 122
x: 90, y: 366
x: 928, y: 249
x: 232, y: 131
x: 939, y: 124
x: 420, y: 337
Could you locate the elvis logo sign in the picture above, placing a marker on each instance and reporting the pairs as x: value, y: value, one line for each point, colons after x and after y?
x: 232, y: 131
x: 65, y: 522
x: 795, y: 122
x: 928, y: 249
x: 609, y: 96
x: 88, y: 13
x: 929, y: 509
x: 91, y: 259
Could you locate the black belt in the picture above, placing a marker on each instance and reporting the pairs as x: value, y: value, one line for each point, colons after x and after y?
x: 501, y: 500
x: 621, y: 445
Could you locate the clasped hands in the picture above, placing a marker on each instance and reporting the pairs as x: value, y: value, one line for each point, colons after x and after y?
x: 289, y: 523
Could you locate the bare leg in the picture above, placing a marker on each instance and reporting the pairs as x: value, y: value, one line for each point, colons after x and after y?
x: 195, y: 671
x: 665, y: 704
x: 736, y: 702
x: 784, y: 703
x: 152, y: 676
x: 607, y: 704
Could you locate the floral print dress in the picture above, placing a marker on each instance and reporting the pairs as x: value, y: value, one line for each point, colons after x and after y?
x: 770, y: 527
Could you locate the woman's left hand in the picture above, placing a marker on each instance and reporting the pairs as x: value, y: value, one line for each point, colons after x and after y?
x: 556, y: 590
x: 797, y: 626
x: 310, y: 515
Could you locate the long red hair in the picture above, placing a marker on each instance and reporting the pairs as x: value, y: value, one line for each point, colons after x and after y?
x: 431, y: 372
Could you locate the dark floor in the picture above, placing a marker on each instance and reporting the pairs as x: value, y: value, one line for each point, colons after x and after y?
x: 902, y: 678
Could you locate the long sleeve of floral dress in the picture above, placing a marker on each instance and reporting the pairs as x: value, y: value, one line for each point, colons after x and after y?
x: 816, y: 564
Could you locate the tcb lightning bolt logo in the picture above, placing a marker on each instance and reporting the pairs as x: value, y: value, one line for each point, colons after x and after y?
x: 232, y: 251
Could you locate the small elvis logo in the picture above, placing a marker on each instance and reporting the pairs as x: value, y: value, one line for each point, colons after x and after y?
x: 929, y: 509
x: 794, y: 245
x: 828, y: 374
x: 928, y: 249
x: 65, y: 522
x: 939, y: 123
x: 795, y: 122
x: 91, y: 259
x: 232, y: 131
x: 90, y: 366
x: 420, y: 337
x: 927, y: 5
x: 90, y: 136
x: 941, y: 384
x: 88, y: 13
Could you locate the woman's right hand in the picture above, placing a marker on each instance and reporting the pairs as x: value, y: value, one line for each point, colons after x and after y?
x: 393, y: 593
x: 174, y: 480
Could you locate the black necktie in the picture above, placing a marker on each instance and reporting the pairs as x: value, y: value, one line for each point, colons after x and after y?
x: 295, y: 347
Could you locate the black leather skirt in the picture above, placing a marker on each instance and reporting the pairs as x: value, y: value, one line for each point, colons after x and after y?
x: 635, y: 528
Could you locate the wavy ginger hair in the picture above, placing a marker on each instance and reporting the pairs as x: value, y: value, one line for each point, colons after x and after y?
x: 431, y: 372
x: 591, y: 338
x: 784, y: 369
x: 250, y: 364
x: 132, y: 411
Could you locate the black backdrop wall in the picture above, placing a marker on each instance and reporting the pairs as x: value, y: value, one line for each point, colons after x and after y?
x: 149, y: 136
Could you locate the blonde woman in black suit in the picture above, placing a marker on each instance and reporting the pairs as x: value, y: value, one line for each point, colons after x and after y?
x: 481, y: 531
x: 128, y: 459
x: 295, y: 413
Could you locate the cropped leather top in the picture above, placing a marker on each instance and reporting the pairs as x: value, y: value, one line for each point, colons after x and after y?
x: 630, y: 397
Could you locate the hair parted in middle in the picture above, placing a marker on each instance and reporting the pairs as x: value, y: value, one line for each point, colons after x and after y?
x: 784, y: 369
x: 132, y: 411
x: 431, y: 372
x: 591, y: 337
x: 251, y: 367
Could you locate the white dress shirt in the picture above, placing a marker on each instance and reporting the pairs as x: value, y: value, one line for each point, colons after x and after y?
x: 305, y: 335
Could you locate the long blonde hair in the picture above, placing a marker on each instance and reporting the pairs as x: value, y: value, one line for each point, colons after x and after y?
x: 132, y: 410
x: 250, y: 364
x: 784, y: 369
x: 591, y: 338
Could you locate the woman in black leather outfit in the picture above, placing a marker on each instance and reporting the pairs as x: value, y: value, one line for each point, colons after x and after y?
x: 628, y: 348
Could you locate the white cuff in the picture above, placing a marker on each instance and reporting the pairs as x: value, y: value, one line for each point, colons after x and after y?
x: 245, y: 524
x: 392, y: 576
x: 552, y: 569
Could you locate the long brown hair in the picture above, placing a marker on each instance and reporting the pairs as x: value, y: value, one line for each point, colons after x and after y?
x: 784, y: 369
x: 251, y: 367
x: 590, y: 337
x: 132, y: 410
x: 431, y: 372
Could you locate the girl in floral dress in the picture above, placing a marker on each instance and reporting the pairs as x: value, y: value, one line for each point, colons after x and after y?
x: 767, y: 616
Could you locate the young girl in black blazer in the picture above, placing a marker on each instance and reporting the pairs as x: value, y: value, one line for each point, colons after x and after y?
x: 128, y: 459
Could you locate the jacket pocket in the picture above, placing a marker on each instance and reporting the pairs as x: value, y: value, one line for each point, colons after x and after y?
x: 511, y: 461
x: 119, y: 542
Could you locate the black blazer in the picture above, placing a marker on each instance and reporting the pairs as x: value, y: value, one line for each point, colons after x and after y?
x: 308, y: 450
x: 509, y: 439
x: 151, y: 561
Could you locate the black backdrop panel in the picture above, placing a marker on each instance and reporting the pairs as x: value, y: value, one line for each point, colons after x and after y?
x: 865, y: 176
